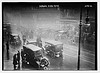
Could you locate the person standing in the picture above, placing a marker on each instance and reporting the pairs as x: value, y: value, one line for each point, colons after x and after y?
x: 18, y: 59
x: 7, y: 47
x: 39, y: 42
x: 15, y: 61
x: 24, y: 39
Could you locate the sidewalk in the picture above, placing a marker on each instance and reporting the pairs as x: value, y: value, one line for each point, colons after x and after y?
x: 8, y: 65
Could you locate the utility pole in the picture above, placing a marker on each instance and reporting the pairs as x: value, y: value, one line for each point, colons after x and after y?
x: 78, y: 65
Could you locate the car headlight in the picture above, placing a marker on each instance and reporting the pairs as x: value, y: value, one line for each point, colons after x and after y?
x: 27, y: 62
x: 57, y: 55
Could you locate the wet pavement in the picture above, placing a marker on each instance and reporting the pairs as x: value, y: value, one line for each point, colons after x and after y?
x: 68, y: 61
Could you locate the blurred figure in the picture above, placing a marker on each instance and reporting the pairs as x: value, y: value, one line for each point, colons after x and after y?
x: 39, y: 42
x: 7, y: 47
x: 16, y: 61
x: 24, y: 39
x: 18, y: 54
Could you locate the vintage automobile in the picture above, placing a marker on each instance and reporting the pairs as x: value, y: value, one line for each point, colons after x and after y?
x: 37, y: 42
x: 32, y: 56
x: 34, y: 42
x: 53, y: 48
x: 15, y: 40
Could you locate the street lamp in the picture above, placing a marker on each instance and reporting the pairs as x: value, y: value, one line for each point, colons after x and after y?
x: 78, y: 66
x: 86, y: 24
x: 87, y: 18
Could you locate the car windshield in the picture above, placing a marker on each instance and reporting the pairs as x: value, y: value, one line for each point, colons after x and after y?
x: 38, y: 53
x: 15, y: 37
x: 48, y: 44
x: 59, y: 47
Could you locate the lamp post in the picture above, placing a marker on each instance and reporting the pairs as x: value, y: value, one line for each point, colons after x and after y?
x: 87, y: 24
x: 78, y: 64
